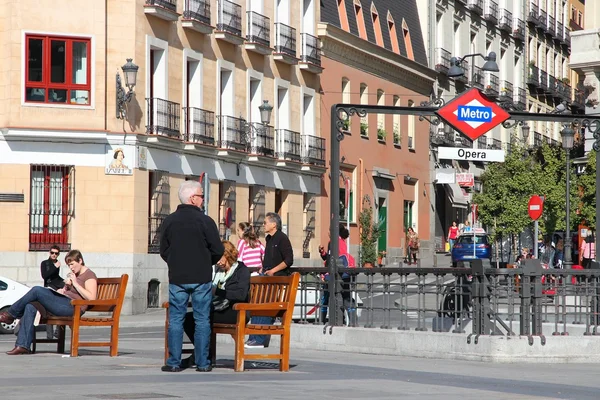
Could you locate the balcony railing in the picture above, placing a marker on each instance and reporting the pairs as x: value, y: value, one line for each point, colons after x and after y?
x: 310, y: 49
x: 442, y: 63
x: 492, y: 84
x: 543, y: 80
x: 287, y: 145
x: 567, y: 37
x: 551, y: 29
x: 198, y: 10
x: 477, y: 78
x: 533, y: 77
x: 229, y: 17
x: 558, y: 34
x: 542, y: 19
x: 170, y: 5
x: 496, y: 144
x: 313, y: 150
x: 285, y: 39
x: 506, y: 20
x: 475, y: 6
x: 262, y: 139
x: 491, y: 11
x: 519, y: 29
x: 537, y: 139
x: 520, y: 98
x: 163, y: 117
x: 482, y: 142
x: 199, y: 126
x: 552, y: 86
x: 567, y: 92
x: 232, y: 133
x: 506, y: 90
x: 464, y: 65
x: 534, y: 11
x: 259, y: 29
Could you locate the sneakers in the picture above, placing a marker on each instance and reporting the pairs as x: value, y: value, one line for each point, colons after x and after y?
x: 251, y: 344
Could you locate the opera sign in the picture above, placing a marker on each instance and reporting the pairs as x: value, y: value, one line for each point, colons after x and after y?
x: 454, y: 153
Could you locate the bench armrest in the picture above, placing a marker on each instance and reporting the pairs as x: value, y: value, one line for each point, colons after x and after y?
x: 109, y: 302
x: 260, y: 307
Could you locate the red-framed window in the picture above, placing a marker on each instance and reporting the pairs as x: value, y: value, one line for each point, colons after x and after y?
x: 51, y: 206
x: 57, y: 70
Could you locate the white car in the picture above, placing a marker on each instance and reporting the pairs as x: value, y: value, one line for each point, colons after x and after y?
x: 10, y: 291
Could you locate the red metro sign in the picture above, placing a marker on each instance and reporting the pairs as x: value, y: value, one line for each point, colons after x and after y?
x: 472, y: 114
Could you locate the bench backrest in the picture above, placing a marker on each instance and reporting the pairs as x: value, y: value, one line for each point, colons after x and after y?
x: 111, y: 289
x: 274, y: 289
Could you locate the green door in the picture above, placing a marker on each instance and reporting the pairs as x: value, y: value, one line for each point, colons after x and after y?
x: 382, y: 222
x: 407, y: 215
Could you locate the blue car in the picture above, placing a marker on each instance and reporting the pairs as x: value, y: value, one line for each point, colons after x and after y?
x: 463, y: 247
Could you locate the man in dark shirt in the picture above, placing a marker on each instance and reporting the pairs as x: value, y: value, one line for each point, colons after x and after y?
x: 190, y: 244
x: 50, y: 270
x: 279, y: 257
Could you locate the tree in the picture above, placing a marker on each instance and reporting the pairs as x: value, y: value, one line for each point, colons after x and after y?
x: 586, y: 184
x: 369, y: 233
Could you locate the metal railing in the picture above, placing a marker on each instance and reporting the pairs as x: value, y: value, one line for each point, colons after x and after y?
x: 491, y: 11
x: 163, y: 117
x: 312, y: 150
x: 492, y: 84
x: 506, y: 89
x: 259, y: 29
x: 475, y: 6
x: 519, y: 29
x: 442, y: 63
x: 558, y: 34
x: 198, y: 10
x: 520, y: 98
x: 464, y: 65
x: 534, y: 76
x: 551, y: 29
x: 534, y: 11
x: 506, y: 20
x: 542, y: 19
x: 537, y: 139
x: 310, y: 49
x: 170, y: 5
x: 287, y: 145
x: 229, y: 17
x: 477, y: 77
x: 552, y: 85
x: 482, y: 142
x: 543, y: 80
x: 232, y: 133
x: 285, y: 39
x: 261, y: 140
x: 567, y: 36
x: 199, y: 126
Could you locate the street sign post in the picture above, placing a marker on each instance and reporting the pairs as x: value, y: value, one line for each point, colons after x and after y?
x: 535, y: 209
x: 472, y: 114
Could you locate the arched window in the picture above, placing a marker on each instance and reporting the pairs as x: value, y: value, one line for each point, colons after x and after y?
x: 376, y: 25
x: 407, y: 41
x: 360, y: 20
x: 393, y: 33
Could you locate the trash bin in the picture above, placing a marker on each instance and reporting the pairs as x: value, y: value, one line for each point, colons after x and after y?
x: 153, y: 294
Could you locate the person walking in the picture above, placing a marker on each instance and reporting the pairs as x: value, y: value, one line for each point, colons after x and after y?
x: 452, y: 234
x: 588, y: 251
x: 190, y: 245
x: 413, y: 245
x: 279, y: 257
x: 50, y: 270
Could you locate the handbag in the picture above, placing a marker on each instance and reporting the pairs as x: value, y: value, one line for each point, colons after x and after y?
x: 220, y: 304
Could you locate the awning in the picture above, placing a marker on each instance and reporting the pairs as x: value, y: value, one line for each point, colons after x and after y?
x: 456, y: 196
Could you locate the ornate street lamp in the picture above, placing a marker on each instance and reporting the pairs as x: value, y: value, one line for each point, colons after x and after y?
x: 525, y: 132
x: 568, y: 135
x: 265, y: 112
x: 130, y: 73
x: 490, y: 64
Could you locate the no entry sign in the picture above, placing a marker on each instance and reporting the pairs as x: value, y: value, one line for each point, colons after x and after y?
x: 535, y: 207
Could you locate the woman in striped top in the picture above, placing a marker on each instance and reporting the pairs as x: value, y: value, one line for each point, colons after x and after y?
x: 250, y: 250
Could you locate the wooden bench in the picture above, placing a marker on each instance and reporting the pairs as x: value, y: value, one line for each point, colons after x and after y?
x: 269, y: 296
x: 111, y: 293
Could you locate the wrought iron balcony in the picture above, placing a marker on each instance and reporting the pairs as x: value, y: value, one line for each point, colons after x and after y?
x: 196, y: 16
x: 287, y: 145
x: 163, y: 117
x: 537, y: 139
x: 477, y: 78
x: 491, y: 11
x: 559, y: 32
x: 313, y: 150
x: 310, y: 57
x: 533, y: 77
x: 567, y: 37
x: 475, y: 6
x: 543, y: 80
x: 232, y: 133
x: 495, y: 144
x: 442, y: 63
x: 506, y: 20
x: 285, y: 43
x: 229, y: 21
x: 567, y: 92
x: 261, y: 140
x: 552, y: 86
x: 259, y: 29
x: 519, y: 29
x: 534, y: 11
x: 199, y: 126
x: 542, y: 20
x: 506, y: 90
x: 492, y: 84
x: 163, y: 9
x: 482, y: 142
x: 520, y: 98
x: 551, y: 29
x: 466, y: 70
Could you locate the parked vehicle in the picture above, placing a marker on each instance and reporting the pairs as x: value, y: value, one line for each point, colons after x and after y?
x: 10, y: 291
x: 472, y: 245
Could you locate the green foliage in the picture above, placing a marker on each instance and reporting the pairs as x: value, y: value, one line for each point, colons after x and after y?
x: 586, y: 184
x: 369, y: 234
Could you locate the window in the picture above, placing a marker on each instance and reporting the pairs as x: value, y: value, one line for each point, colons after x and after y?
x: 580, y: 19
x: 364, y: 99
x: 159, y: 207
x: 347, y: 204
x: 310, y: 217
x: 396, y: 123
x: 257, y: 208
x: 573, y: 13
x: 411, y: 128
x: 51, y: 205
x: 226, y: 208
x: 376, y: 25
x: 393, y: 33
x: 360, y: 20
x: 343, y: 15
x: 407, y: 41
x: 381, y: 133
x: 57, y: 70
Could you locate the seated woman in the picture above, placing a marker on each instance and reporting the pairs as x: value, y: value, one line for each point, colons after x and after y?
x: 80, y: 284
x: 231, y: 282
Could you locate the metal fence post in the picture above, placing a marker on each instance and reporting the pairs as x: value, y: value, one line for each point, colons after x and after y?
x: 478, y: 297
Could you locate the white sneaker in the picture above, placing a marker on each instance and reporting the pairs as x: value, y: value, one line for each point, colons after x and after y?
x: 37, y: 319
x: 251, y: 344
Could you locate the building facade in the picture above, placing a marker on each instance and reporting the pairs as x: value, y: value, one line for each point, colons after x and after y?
x: 78, y: 171
x: 373, y: 53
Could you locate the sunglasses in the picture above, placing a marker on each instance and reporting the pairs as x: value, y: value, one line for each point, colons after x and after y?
x: 199, y: 195
x: 54, y: 252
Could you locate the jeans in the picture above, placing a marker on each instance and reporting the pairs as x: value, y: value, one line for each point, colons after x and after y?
x: 179, y: 296
x: 261, y: 339
x: 54, y: 303
x: 451, y: 241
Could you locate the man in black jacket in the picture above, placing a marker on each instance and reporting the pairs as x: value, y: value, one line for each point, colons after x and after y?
x: 190, y: 244
x: 279, y: 257
x: 50, y: 270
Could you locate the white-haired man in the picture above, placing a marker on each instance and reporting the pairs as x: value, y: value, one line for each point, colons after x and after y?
x: 190, y: 244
